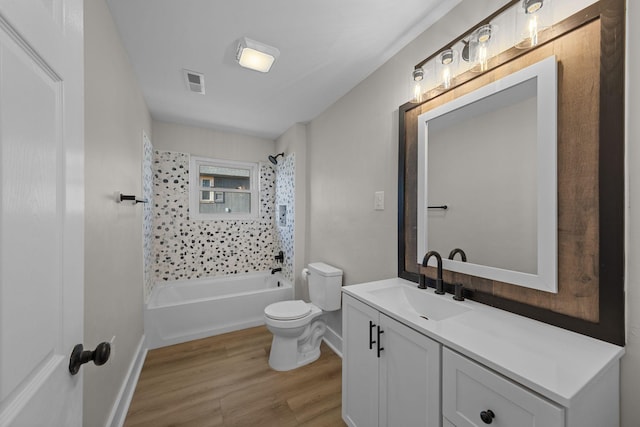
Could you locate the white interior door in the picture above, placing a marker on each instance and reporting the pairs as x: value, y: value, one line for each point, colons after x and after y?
x: 41, y: 210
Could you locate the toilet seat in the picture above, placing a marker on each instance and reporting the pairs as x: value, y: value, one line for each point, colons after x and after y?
x: 287, y: 310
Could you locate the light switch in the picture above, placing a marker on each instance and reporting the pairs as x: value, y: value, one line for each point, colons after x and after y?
x: 378, y: 203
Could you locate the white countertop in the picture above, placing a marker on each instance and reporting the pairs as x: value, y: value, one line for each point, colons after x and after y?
x: 551, y: 361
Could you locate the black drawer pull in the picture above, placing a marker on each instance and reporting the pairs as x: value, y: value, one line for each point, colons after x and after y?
x: 371, y: 341
x: 487, y: 416
x: 380, y: 331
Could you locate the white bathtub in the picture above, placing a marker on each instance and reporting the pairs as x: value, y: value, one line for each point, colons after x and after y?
x: 191, y: 309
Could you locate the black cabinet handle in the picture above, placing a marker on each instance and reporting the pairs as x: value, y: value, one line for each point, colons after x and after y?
x: 487, y: 416
x: 380, y: 331
x: 371, y: 341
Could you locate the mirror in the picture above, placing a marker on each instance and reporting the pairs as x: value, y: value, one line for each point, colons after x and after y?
x: 487, y: 180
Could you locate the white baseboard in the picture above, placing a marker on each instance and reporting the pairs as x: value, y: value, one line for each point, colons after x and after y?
x: 334, y: 341
x: 121, y: 405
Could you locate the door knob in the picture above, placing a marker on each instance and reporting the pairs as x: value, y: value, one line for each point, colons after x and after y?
x: 487, y: 416
x: 80, y: 356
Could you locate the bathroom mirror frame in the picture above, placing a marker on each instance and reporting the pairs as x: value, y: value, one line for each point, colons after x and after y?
x: 540, y: 81
x: 597, y: 276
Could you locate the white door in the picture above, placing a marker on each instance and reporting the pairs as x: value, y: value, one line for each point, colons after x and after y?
x: 41, y: 210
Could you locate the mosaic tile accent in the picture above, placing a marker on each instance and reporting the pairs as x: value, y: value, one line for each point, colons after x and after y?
x: 189, y: 249
x: 285, y: 196
x: 147, y: 215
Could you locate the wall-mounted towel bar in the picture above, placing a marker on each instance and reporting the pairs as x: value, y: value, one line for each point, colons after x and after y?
x: 123, y: 197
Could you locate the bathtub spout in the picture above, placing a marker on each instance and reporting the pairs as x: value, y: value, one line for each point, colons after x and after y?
x: 275, y: 270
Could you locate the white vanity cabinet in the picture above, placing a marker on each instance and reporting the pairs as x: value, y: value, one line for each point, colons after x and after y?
x: 462, y: 364
x: 390, y: 373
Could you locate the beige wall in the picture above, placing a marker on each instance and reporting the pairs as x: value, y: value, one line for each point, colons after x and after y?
x: 115, y: 117
x: 210, y: 143
x: 353, y: 152
x: 631, y: 361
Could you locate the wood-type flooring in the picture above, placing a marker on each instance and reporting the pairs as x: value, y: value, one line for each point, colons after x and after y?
x: 225, y: 380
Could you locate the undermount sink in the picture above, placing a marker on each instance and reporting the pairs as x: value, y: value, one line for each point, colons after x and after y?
x: 419, y: 301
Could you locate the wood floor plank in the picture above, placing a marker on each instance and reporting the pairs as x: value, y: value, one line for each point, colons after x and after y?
x: 226, y: 381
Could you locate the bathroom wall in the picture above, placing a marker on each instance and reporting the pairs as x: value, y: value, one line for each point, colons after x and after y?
x: 184, y: 248
x: 294, y: 141
x: 631, y: 361
x: 115, y: 118
x: 353, y: 152
x: 210, y: 143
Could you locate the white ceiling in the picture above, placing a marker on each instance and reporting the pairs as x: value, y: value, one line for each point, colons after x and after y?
x: 326, y: 48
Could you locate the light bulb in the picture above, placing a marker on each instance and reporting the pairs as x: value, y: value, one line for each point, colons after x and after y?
x: 446, y: 77
x: 482, y: 57
x: 533, y: 30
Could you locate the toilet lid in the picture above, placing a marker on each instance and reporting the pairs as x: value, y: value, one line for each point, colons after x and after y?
x: 287, y: 310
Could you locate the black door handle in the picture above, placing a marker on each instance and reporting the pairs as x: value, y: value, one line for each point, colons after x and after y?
x: 79, y: 356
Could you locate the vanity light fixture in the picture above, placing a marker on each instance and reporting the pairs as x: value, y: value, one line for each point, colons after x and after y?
x: 446, y: 62
x: 531, y: 21
x: 480, y: 45
x: 255, y: 55
x: 417, y: 85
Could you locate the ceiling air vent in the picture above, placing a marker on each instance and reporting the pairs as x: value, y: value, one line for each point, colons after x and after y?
x: 195, y: 81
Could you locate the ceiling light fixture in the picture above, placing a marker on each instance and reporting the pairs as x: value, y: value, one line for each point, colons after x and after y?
x: 255, y: 55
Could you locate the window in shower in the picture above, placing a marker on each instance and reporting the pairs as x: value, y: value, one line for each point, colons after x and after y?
x: 223, y: 189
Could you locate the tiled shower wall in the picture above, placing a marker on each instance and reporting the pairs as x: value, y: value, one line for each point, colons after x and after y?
x: 188, y: 249
x: 285, y: 196
x: 147, y: 214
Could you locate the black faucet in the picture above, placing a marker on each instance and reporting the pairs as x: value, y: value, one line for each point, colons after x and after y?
x: 453, y: 253
x: 423, y: 278
x: 275, y: 270
x: 280, y: 257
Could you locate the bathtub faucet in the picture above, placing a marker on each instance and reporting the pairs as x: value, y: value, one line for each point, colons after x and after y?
x: 275, y: 270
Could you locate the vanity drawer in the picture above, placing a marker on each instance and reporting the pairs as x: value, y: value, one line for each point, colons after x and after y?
x: 471, y: 392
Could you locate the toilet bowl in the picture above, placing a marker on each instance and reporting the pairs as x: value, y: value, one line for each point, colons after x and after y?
x: 298, y: 326
x: 297, y: 329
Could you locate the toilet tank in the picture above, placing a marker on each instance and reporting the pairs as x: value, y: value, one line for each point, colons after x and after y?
x: 325, y: 283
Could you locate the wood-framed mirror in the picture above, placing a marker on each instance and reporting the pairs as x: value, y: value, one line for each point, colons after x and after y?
x: 589, y: 47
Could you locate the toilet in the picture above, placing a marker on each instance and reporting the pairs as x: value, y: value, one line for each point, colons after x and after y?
x: 298, y: 326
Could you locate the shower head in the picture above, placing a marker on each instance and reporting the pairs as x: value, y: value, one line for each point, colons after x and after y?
x: 274, y: 159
